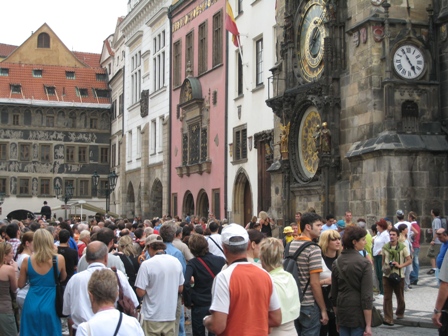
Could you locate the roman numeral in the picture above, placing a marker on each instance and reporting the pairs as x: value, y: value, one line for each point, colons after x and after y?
x: 398, y: 61
x: 400, y: 67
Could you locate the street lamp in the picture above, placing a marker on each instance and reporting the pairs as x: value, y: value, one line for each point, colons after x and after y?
x: 109, y: 186
x: 67, y: 196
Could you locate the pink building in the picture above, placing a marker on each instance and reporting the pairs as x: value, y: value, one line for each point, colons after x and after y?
x: 198, y: 108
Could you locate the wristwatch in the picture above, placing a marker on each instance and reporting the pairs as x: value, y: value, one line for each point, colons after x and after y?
x: 436, y: 311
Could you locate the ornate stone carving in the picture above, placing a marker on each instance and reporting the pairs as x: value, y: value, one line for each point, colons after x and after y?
x: 144, y: 103
x: 355, y: 38
x: 378, y: 33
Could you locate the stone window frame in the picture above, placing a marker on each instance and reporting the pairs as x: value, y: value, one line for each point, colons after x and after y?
x: 4, y: 187
x: 159, y: 62
x: 177, y: 63
x: 66, y: 156
x: 21, y: 151
x: 217, y: 41
x: 21, y: 189
x: 89, y: 189
x: 4, y: 151
x: 240, y: 137
x: 202, y: 47
x: 86, y: 154
x: 41, y: 193
x: 50, y: 154
x: 101, y: 159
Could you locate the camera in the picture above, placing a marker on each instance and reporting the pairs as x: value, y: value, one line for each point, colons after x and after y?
x: 391, y: 264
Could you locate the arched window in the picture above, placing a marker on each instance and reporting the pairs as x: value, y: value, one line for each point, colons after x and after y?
x: 43, y: 40
x: 409, y: 116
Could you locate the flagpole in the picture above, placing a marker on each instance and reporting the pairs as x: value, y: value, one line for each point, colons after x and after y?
x: 246, y: 64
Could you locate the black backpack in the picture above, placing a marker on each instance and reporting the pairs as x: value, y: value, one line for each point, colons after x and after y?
x: 290, y: 265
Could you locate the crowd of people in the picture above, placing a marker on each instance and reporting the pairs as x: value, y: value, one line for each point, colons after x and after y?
x: 146, y: 277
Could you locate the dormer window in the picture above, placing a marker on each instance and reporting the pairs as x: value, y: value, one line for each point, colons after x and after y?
x: 102, y: 93
x: 4, y: 72
x: 82, y: 92
x: 70, y: 75
x: 37, y: 73
x: 43, y: 40
x: 101, y: 77
x: 50, y: 90
x: 16, y: 88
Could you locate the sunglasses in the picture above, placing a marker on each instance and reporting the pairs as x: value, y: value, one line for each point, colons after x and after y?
x: 334, y: 239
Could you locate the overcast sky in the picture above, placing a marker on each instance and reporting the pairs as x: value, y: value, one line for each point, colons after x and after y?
x: 82, y: 25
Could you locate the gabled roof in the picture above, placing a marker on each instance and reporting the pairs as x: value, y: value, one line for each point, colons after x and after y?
x: 90, y: 59
x: 52, y: 76
x: 6, y: 49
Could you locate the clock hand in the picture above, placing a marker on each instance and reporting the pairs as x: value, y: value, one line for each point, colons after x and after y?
x: 409, y: 61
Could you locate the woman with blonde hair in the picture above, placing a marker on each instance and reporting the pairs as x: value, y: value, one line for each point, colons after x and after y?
x: 8, y: 285
x: 39, y: 310
x: 128, y: 255
x: 330, y: 244
x: 271, y: 254
x: 24, y: 250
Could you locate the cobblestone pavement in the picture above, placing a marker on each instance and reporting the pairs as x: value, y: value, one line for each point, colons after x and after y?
x: 420, y: 301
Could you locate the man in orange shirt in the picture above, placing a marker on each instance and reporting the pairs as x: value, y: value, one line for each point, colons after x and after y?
x: 244, y: 301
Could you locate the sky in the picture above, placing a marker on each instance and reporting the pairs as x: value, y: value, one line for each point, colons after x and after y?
x: 82, y: 25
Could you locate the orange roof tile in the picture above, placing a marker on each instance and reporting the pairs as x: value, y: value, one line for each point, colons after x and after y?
x: 6, y: 49
x: 92, y: 60
x: 34, y: 87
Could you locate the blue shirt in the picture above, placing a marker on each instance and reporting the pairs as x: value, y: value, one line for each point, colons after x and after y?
x: 72, y: 244
x: 441, y: 255
x: 332, y: 227
x: 175, y: 252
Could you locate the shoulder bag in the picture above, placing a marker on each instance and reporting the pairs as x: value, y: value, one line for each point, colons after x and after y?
x: 377, y: 318
x: 59, y: 292
x: 206, y: 266
x: 124, y: 304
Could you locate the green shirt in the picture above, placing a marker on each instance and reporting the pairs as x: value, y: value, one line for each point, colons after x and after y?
x: 288, y: 294
x: 404, y: 253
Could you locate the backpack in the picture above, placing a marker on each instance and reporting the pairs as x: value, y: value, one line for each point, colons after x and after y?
x: 290, y: 265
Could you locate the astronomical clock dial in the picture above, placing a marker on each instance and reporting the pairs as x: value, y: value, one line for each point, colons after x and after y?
x: 310, y: 36
x: 308, y: 155
x: 377, y: 2
x: 409, y: 61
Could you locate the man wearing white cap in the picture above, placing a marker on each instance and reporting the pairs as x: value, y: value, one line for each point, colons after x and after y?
x: 241, y: 286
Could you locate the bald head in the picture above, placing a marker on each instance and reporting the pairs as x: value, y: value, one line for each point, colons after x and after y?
x: 96, y: 251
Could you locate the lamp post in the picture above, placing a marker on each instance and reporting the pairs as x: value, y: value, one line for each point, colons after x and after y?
x: 109, y: 186
x: 67, y: 196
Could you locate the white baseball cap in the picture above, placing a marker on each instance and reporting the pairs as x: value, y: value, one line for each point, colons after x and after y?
x: 233, y: 231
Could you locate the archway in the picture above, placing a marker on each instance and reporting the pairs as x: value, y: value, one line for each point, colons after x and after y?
x: 203, y: 204
x: 242, y: 199
x: 130, y: 201
x: 138, y: 205
x: 156, y: 200
x: 188, y: 204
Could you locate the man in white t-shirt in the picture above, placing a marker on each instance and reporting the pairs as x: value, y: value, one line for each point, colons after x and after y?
x: 214, y: 241
x: 159, y: 280
x: 400, y: 218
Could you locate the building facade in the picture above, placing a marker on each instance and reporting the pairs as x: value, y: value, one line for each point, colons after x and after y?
x: 54, y: 124
x: 360, y: 85
x: 198, y: 108
x: 143, y: 145
x: 250, y: 120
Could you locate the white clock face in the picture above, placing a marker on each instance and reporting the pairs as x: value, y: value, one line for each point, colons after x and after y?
x: 409, y: 62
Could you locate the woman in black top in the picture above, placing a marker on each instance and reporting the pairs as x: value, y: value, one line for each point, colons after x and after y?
x: 203, y: 269
x: 330, y: 243
x: 129, y: 257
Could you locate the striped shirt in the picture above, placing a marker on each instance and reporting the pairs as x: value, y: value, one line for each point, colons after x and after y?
x: 308, y: 262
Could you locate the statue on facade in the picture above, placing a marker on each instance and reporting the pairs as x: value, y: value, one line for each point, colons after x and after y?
x: 325, y: 139
x: 284, y: 138
x: 316, y: 138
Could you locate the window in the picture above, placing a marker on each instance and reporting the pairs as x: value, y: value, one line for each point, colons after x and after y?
x: 70, y: 75
x: 93, y: 123
x: 174, y: 205
x: 239, y: 11
x: 100, y: 93
x: 82, y: 92
x: 136, y: 77
x: 189, y: 51
x: 202, y: 55
x: 194, y: 145
x: 24, y: 186
x: 409, y: 116
x: 158, y: 61
x: 217, y: 39
x: 49, y: 121
x: 84, y: 188
x: 119, y: 154
x: 240, y: 143
x: 69, y: 183
x: 104, y: 155
x: 16, y: 120
x: 216, y: 199
x: 101, y: 77
x: 121, y: 105
x: 70, y: 154
x: 177, y: 63
x: 50, y: 90
x: 43, y: 40
x: 25, y: 151
x: 16, y: 88
x: 45, y: 186
x: 114, y: 109
x: 153, y: 136
x: 129, y: 151
x: 259, y: 62
x: 4, y: 72
x: 240, y: 78
x: 72, y: 118
x: 37, y: 73
x: 3, y: 153
x: 82, y: 154
x: 113, y: 155
x: 45, y: 153
x: 3, y: 185
x: 139, y: 142
x: 160, y: 141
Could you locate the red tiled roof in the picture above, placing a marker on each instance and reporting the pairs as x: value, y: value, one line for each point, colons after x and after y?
x: 33, y: 87
x: 6, y: 49
x: 109, y: 48
x: 92, y: 60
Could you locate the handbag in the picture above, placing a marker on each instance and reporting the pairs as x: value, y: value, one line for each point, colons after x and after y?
x: 377, y: 318
x: 59, y: 292
x: 124, y: 303
x: 394, y: 278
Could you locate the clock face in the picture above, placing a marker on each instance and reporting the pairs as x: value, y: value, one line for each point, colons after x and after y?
x: 377, y: 2
x: 409, y: 62
x: 308, y: 154
x: 310, y: 36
